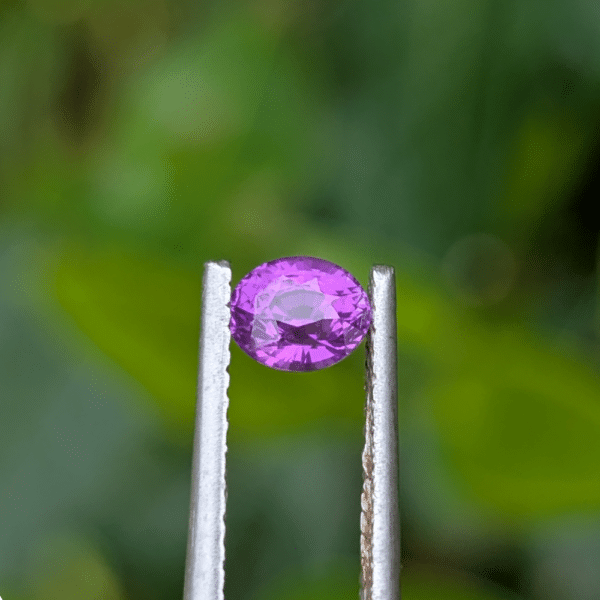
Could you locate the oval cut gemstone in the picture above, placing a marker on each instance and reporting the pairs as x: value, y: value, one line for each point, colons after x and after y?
x: 299, y: 313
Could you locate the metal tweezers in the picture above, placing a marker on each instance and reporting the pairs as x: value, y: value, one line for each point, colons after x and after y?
x: 379, y: 522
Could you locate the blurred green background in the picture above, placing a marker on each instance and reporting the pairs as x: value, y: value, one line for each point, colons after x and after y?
x: 457, y: 141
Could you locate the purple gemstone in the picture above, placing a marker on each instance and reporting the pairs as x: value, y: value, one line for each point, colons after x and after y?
x: 299, y: 313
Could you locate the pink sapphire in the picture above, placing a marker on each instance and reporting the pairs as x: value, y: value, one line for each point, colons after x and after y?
x: 299, y: 313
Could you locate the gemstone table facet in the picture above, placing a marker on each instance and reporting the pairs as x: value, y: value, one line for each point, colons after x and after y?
x: 299, y: 313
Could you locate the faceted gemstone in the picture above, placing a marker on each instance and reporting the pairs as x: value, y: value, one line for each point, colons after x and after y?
x: 299, y: 313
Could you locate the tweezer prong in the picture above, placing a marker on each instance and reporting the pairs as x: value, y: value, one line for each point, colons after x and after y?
x: 380, y: 535
x: 204, y: 570
x: 380, y: 523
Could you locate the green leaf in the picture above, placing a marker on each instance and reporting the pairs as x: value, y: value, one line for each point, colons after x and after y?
x: 144, y: 314
x: 517, y: 417
x: 520, y: 421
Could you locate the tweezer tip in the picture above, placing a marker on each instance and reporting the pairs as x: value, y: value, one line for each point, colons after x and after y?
x: 385, y: 270
x: 219, y: 263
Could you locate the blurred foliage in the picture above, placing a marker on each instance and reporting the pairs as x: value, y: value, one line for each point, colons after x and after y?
x: 457, y: 142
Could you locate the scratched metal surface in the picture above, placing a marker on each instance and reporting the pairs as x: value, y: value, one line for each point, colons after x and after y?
x: 205, y: 570
x: 380, y: 522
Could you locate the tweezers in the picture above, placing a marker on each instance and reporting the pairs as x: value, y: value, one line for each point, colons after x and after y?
x: 379, y: 521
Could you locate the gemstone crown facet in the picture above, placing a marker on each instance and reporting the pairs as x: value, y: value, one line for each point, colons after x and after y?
x: 299, y: 313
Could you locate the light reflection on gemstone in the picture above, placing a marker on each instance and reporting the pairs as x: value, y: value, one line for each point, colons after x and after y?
x: 299, y: 313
